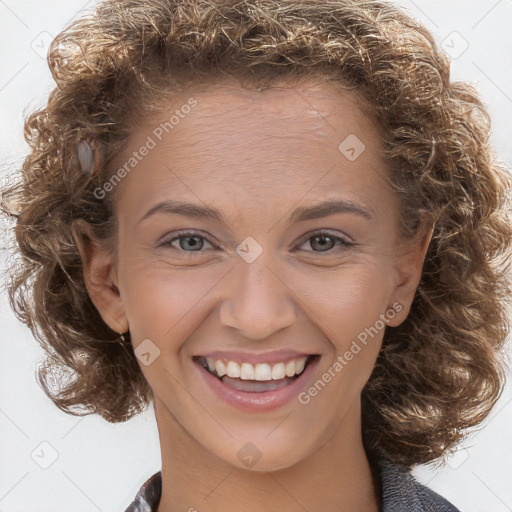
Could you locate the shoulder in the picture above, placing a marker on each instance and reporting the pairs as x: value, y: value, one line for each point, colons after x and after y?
x: 401, y: 492
x: 148, y: 497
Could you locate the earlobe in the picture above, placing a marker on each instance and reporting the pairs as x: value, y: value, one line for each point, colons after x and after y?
x: 410, y: 263
x: 100, y: 276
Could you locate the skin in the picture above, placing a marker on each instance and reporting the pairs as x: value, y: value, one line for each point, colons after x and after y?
x: 256, y: 156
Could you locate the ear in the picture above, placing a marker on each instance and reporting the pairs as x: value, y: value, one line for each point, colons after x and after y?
x: 100, y: 276
x: 409, y: 258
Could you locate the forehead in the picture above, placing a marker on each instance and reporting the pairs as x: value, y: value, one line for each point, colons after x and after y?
x: 291, y: 137
x: 290, y: 109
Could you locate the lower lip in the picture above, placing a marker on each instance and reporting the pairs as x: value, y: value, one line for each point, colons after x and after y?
x: 258, y: 401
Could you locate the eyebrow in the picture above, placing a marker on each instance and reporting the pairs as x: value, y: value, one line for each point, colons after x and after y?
x: 317, y: 211
x: 329, y: 207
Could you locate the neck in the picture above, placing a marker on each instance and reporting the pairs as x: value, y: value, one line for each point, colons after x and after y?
x: 337, y: 476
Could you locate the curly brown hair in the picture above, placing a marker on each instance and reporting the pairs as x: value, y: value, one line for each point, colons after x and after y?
x: 442, y: 370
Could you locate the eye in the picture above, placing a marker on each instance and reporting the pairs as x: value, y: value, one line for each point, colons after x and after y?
x: 188, y: 242
x: 193, y: 242
x: 323, y: 241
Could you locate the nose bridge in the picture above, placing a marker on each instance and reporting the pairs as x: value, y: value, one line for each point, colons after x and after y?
x: 259, y: 302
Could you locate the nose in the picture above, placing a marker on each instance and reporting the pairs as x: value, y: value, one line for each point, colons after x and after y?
x: 259, y: 302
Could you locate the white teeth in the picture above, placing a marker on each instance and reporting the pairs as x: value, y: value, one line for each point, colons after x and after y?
x: 220, y: 367
x: 278, y: 371
x: 233, y: 369
x: 299, y: 365
x: 290, y: 368
x: 261, y: 371
x: 247, y: 371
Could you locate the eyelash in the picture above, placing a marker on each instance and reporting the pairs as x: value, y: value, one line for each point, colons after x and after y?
x: 186, y: 234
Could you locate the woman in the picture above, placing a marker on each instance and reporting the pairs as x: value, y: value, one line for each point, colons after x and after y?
x: 339, y: 313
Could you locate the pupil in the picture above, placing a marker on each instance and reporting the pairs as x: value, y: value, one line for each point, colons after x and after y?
x: 322, y: 245
x: 193, y: 245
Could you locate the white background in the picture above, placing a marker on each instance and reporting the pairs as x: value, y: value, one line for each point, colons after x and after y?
x: 100, y: 466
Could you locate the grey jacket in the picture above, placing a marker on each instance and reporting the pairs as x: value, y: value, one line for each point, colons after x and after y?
x: 401, y: 492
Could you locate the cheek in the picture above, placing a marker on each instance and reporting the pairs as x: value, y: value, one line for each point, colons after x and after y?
x: 161, y: 302
x: 346, y: 300
x: 351, y: 306
x: 348, y: 307
x: 165, y: 303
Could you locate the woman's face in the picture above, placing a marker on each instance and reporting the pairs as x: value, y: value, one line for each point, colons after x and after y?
x: 251, y: 287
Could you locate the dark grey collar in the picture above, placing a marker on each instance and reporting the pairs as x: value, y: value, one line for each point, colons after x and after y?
x: 401, y: 492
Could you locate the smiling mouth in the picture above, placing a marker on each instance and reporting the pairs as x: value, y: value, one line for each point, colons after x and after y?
x: 256, y: 378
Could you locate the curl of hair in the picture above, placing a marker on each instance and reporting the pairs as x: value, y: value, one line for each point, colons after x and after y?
x: 441, y: 371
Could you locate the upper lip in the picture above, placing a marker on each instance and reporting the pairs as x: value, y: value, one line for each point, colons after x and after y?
x: 255, y: 357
